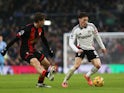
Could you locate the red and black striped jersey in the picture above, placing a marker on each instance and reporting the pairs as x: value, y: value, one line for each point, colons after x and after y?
x: 29, y: 35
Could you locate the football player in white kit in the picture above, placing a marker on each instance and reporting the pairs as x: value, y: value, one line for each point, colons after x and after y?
x: 84, y: 33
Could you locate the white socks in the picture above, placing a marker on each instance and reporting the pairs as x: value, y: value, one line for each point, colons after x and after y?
x: 69, y: 74
x: 92, y: 71
x: 71, y: 71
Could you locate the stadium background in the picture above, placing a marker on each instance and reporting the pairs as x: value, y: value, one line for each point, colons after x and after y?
x: 107, y: 15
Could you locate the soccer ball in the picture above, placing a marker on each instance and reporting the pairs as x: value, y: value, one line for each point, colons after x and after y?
x: 98, y: 81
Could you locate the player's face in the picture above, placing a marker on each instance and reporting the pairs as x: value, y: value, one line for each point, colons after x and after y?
x: 83, y: 21
x: 41, y: 23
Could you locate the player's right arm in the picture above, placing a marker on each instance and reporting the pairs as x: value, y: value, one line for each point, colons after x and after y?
x: 18, y: 36
x: 72, y: 39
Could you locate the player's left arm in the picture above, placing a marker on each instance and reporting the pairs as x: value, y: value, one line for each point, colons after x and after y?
x: 18, y: 36
x: 98, y: 38
x: 45, y: 42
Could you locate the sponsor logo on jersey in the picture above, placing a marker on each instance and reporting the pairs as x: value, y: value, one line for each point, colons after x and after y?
x: 84, y: 37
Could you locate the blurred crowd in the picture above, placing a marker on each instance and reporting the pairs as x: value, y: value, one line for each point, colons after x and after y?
x: 107, y: 15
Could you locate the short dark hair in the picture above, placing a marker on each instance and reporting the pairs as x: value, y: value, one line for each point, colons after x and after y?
x: 82, y: 14
x: 39, y: 16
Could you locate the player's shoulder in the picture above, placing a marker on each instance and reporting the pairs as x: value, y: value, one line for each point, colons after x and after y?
x: 29, y: 25
x: 24, y: 29
x: 90, y: 24
x: 26, y: 26
x: 75, y: 27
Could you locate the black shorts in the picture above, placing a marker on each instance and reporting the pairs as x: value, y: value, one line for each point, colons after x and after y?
x: 29, y: 55
x: 91, y: 54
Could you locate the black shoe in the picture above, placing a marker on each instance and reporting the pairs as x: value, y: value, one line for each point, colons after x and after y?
x: 42, y: 85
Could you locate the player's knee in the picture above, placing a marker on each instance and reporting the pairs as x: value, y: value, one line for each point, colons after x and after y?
x: 98, y: 66
x: 76, y: 66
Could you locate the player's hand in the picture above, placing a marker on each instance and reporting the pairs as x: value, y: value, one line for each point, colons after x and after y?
x: 104, y: 51
x: 51, y: 53
x: 80, y: 51
x: 3, y: 52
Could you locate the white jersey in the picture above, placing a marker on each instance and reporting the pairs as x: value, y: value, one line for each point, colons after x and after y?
x: 84, y: 37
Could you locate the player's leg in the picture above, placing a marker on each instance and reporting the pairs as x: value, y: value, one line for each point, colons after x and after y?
x: 97, y: 64
x: 46, y: 64
x: 71, y: 71
x: 36, y: 64
x: 41, y: 78
x: 35, y: 58
x: 50, y: 69
x: 94, y: 58
x: 40, y: 69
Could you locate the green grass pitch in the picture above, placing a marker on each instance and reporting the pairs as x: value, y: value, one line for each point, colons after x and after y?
x: 114, y: 83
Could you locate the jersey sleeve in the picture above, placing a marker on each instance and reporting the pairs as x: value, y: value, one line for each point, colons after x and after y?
x: 21, y: 33
x: 97, y: 37
x: 72, y: 39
